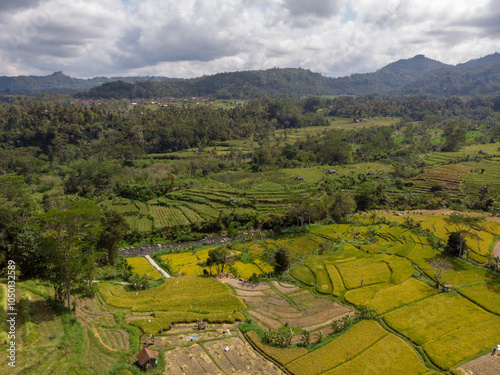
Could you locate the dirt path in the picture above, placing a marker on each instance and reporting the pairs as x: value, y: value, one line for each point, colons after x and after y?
x: 153, y: 263
x: 496, y: 249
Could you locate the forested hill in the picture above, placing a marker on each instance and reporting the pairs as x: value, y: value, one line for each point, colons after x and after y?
x: 60, y: 83
x: 461, y: 80
x: 415, y: 76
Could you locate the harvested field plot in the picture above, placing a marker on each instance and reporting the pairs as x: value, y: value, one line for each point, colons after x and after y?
x: 210, y: 357
x: 297, y: 308
x: 240, y: 357
x: 285, y: 288
x: 484, y: 365
x: 190, y: 360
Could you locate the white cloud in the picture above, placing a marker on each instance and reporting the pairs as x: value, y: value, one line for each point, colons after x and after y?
x: 196, y: 37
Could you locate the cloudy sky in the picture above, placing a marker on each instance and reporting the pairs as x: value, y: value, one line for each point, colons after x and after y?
x: 190, y: 38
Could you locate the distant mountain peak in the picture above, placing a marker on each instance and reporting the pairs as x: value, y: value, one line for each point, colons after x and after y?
x: 493, y: 58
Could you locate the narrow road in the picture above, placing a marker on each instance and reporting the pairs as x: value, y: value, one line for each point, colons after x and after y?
x: 153, y: 263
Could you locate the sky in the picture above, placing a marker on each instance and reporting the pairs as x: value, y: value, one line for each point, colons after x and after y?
x: 192, y: 38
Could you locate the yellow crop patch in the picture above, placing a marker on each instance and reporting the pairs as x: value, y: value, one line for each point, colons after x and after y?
x: 399, y: 295
x: 282, y: 356
x: 141, y: 266
x: 364, y: 272
x: 390, y: 355
x: 340, y: 350
x: 485, y: 295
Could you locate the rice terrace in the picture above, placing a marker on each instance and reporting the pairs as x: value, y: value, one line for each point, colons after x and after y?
x: 359, y: 298
x: 258, y: 222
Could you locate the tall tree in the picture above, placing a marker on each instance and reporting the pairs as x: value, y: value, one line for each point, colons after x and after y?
x: 343, y: 204
x: 114, y: 228
x: 68, y: 237
x: 283, y: 260
x: 465, y: 227
x: 454, y: 136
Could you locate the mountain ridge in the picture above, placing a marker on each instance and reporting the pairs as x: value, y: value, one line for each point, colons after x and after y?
x: 417, y: 75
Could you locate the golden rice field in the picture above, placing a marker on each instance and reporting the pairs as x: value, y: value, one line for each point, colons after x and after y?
x: 479, y: 246
x: 449, y: 327
x: 385, y: 267
x: 141, y: 266
x: 174, y: 294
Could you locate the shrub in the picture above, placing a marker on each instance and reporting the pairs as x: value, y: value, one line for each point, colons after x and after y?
x: 282, y: 356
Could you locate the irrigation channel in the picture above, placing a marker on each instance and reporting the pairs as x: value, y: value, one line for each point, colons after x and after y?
x: 207, y: 241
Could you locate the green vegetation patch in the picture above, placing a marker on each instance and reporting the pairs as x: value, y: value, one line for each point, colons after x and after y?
x: 303, y: 274
x: 336, y: 279
x: 162, y: 320
x: 342, y: 349
x: 323, y: 284
x: 401, y: 269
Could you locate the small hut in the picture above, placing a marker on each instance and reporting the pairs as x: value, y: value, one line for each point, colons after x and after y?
x: 300, y: 178
x: 147, y: 358
x: 332, y: 171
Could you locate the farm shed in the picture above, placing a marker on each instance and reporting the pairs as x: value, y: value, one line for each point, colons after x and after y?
x: 332, y: 171
x: 147, y: 358
x: 300, y: 178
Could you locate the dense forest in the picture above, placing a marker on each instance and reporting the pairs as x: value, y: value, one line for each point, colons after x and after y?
x: 57, y: 153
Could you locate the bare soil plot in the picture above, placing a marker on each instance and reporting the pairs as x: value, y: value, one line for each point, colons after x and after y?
x: 319, y: 318
x: 496, y: 249
x: 307, y: 301
x: 249, y: 293
x: 265, y: 320
x: 245, y: 285
x: 240, y: 358
x: 284, y: 287
x: 486, y: 365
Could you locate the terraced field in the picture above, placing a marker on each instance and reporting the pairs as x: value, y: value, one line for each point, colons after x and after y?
x: 450, y: 328
x: 273, y: 305
x: 419, y: 330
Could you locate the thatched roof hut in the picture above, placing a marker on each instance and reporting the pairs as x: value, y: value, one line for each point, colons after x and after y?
x: 147, y: 358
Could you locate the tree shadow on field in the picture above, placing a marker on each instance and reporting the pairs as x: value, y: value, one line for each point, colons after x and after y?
x: 494, y: 287
x: 41, y: 311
